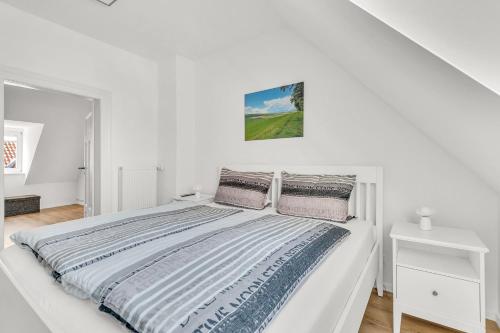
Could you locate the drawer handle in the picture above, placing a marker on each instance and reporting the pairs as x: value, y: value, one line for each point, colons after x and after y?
x: 435, y: 293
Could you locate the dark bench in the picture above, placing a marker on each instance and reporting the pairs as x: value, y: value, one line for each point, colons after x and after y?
x: 23, y: 204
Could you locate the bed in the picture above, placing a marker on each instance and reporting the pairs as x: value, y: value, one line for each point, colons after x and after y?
x: 332, y: 298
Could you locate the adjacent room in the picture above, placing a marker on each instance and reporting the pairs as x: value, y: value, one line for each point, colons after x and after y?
x: 274, y: 166
x: 46, y: 134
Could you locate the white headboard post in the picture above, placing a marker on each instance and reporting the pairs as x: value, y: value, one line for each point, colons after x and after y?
x: 367, y: 199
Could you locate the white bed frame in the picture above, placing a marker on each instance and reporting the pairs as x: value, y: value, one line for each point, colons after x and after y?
x: 366, y: 203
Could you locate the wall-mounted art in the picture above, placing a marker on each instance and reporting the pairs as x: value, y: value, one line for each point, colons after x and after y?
x: 275, y: 113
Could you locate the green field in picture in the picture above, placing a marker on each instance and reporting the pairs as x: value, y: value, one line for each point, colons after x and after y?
x: 275, y: 113
x: 274, y: 126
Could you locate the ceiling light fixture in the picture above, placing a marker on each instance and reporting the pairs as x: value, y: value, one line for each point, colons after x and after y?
x: 19, y: 85
x: 107, y: 2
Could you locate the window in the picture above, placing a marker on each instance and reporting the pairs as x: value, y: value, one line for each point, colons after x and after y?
x: 13, y: 150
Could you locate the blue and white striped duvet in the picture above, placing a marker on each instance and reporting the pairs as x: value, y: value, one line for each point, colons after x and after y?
x: 186, y: 268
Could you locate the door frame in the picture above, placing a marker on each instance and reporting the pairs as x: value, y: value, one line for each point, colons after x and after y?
x: 89, y: 165
x: 104, y: 100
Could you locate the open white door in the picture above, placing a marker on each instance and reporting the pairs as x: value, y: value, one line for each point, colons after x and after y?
x: 88, y: 164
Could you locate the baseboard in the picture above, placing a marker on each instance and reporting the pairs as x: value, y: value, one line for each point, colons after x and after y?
x: 60, y: 204
x: 498, y: 319
x: 492, y: 316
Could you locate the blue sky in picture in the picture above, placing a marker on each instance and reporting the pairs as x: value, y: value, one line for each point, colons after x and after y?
x: 269, y: 101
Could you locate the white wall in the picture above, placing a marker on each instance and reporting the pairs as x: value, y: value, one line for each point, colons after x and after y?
x: 39, y: 46
x: 167, y: 130
x: 59, y: 152
x: 345, y: 123
x: 186, y: 120
x: 52, y: 194
x: 177, y: 135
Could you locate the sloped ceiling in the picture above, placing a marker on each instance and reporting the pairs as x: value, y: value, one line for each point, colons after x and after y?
x: 455, y: 111
x: 463, y: 33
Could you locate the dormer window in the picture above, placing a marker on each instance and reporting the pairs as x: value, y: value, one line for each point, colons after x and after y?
x: 12, y: 150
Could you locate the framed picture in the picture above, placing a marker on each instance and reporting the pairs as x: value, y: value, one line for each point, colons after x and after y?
x: 275, y: 113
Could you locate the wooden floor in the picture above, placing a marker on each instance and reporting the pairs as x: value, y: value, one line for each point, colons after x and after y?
x: 45, y: 217
x: 378, y: 319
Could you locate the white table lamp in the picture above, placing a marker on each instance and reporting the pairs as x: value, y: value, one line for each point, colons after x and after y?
x: 425, y: 214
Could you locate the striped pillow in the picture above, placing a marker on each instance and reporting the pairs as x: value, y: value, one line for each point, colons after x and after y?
x: 244, y: 189
x: 316, y: 196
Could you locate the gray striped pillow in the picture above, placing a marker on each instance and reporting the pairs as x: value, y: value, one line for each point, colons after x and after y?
x: 244, y: 189
x: 316, y: 196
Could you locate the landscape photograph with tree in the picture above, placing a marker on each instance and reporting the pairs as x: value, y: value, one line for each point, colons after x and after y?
x: 275, y: 113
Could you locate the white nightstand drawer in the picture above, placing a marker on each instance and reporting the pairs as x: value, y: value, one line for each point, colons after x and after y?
x: 438, y: 294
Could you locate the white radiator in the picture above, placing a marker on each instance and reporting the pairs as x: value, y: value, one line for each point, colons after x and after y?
x: 137, y: 188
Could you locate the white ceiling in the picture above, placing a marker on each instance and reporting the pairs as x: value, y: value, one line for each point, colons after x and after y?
x: 154, y: 28
x: 466, y: 33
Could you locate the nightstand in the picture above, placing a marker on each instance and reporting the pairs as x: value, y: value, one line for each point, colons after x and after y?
x: 202, y: 200
x: 439, y: 275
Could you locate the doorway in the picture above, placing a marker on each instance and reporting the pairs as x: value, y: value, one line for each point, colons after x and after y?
x: 53, y: 155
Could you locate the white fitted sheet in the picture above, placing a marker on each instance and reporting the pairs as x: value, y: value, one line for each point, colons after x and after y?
x: 315, y: 307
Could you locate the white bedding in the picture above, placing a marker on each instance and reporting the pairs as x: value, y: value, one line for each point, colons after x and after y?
x: 315, y: 307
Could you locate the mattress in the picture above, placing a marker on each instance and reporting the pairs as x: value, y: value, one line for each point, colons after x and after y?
x: 315, y: 307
